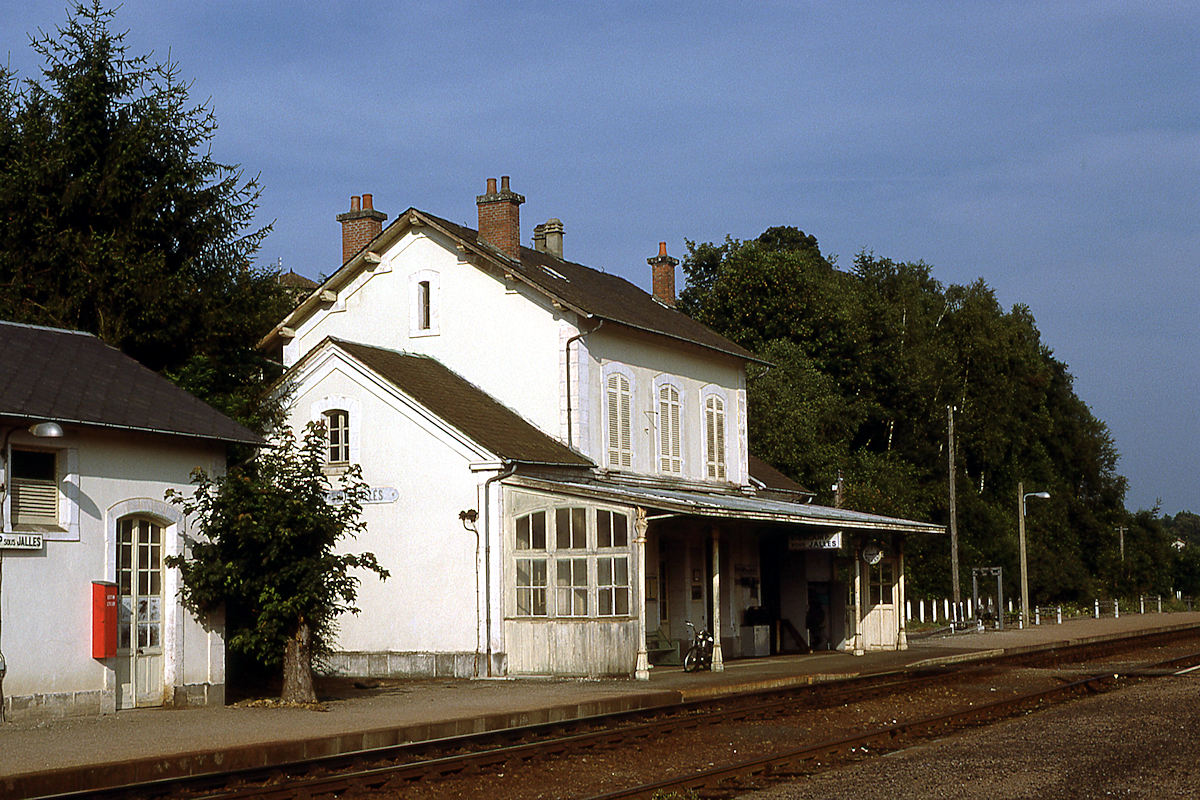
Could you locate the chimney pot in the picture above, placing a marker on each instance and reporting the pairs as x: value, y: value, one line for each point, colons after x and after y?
x: 361, y: 224
x: 553, y: 230
x: 500, y: 217
x: 662, y: 272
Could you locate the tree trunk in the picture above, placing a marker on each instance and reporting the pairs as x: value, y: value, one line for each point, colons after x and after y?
x: 297, y: 667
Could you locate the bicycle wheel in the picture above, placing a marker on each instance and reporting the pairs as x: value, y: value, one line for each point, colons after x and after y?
x: 691, y: 661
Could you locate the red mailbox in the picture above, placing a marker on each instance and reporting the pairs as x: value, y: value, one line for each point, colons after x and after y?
x: 104, y: 619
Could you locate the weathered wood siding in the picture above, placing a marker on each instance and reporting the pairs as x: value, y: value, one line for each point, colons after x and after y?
x: 562, y: 647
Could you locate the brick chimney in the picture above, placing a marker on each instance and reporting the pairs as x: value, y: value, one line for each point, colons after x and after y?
x: 500, y: 217
x: 662, y: 268
x: 360, y: 225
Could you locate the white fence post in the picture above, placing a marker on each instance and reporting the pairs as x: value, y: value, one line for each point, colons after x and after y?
x: 1116, y: 609
x: 1159, y: 603
x: 1097, y: 608
x: 1060, y: 615
x: 1142, y: 600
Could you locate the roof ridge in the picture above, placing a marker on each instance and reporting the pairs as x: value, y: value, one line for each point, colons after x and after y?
x: 48, y: 328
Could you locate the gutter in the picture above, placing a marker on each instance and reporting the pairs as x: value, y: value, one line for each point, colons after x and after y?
x: 567, y: 361
x: 487, y: 557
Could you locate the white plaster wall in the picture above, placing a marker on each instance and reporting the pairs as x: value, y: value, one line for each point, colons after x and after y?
x: 429, y: 602
x: 498, y: 335
x: 46, y: 597
x: 648, y: 359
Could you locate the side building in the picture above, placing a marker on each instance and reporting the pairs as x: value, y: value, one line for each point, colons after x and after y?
x: 559, y: 465
x: 90, y: 442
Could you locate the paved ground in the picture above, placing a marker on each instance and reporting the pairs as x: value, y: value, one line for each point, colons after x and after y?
x: 405, y: 710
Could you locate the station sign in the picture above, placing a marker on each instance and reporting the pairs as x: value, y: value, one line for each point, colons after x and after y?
x: 21, y: 541
x: 831, y: 542
x: 371, y: 494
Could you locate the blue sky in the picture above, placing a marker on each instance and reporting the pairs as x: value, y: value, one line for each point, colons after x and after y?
x: 1051, y: 148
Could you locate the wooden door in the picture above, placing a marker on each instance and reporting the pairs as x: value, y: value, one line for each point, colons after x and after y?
x: 139, y: 633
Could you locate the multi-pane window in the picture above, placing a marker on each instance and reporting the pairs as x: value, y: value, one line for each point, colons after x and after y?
x: 669, y: 447
x: 570, y: 528
x: 34, y: 487
x: 881, y: 581
x: 580, y: 553
x: 532, y: 569
x: 612, y: 529
x: 139, y: 582
x: 612, y: 585
x: 714, y: 437
x: 337, y: 423
x: 572, y: 587
x: 620, y: 414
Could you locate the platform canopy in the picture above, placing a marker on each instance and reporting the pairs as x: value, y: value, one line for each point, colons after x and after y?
x: 728, y: 505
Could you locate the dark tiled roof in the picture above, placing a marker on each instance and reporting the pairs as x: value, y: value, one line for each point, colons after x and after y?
x: 464, y: 405
x: 294, y: 280
x: 603, y: 295
x: 772, y: 478
x: 73, y: 377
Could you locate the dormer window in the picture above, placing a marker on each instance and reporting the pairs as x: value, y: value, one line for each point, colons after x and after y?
x: 337, y: 424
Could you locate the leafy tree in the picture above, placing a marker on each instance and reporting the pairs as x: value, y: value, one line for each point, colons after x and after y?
x: 267, y: 551
x: 865, y: 364
x: 116, y: 219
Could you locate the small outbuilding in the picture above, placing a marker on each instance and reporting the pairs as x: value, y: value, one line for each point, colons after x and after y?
x: 90, y: 442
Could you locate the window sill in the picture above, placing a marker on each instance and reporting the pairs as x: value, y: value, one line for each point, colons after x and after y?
x: 421, y: 333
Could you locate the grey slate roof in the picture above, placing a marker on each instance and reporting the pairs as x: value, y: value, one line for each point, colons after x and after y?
x: 774, y: 480
x: 73, y: 377
x: 602, y: 295
x: 468, y: 408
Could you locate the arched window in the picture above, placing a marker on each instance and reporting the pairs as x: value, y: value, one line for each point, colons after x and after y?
x: 670, y: 449
x: 337, y: 424
x: 620, y: 439
x: 714, y: 437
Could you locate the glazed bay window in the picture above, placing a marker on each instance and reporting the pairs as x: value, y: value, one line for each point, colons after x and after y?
x: 532, y: 561
x: 583, y: 551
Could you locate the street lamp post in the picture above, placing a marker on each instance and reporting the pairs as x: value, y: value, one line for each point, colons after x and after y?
x: 1022, y: 496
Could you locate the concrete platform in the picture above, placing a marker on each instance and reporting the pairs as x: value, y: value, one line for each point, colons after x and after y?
x: 67, y: 754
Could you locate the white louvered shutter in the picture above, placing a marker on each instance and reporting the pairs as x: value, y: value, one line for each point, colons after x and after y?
x: 620, y: 447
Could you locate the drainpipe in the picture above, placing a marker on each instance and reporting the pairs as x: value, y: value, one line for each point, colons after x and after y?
x: 487, y: 556
x: 572, y: 340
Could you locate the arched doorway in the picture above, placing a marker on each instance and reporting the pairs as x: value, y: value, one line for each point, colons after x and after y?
x: 139, y: 663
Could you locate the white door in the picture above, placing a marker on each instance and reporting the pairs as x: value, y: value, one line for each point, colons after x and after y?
x: 881, y: 625
x: 139, y: 632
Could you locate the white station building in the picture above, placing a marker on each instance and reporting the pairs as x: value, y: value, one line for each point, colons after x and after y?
x: 558, y: 463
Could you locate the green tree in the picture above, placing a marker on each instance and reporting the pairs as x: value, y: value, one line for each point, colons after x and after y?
x: 116, y: 219
x: 865, y: 363
x: 267, y: 551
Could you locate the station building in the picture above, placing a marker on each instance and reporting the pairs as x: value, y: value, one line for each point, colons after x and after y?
x: 90, y: 442
x: 558, y: 462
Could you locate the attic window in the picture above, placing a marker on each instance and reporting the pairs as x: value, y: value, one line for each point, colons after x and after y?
x: 557, y: 274
x: 423, y: 312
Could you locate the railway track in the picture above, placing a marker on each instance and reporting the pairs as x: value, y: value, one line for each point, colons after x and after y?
x: 418, y: 768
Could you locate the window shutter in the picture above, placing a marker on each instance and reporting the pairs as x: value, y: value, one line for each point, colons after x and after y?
x: 669, y: 444
x: 620, y: 449
x: 35, y: 502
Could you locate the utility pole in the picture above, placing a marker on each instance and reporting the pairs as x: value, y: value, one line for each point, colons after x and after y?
x: 953, y: 516
x: 1121, y: 532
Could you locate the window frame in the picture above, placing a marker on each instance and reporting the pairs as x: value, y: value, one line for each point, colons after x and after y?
x: 618, y: 419
x: 570, y: 562
x: 669, y: 447
x: 715, y: 421
x: 342, y: 432
x: 424, y: 312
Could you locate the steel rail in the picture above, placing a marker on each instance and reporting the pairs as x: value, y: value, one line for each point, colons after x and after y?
x: 891, y: 735
x: 297, y: 779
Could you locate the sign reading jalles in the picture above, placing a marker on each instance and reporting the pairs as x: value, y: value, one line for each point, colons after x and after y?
x: 831, y: 541
x: 21, y: 541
